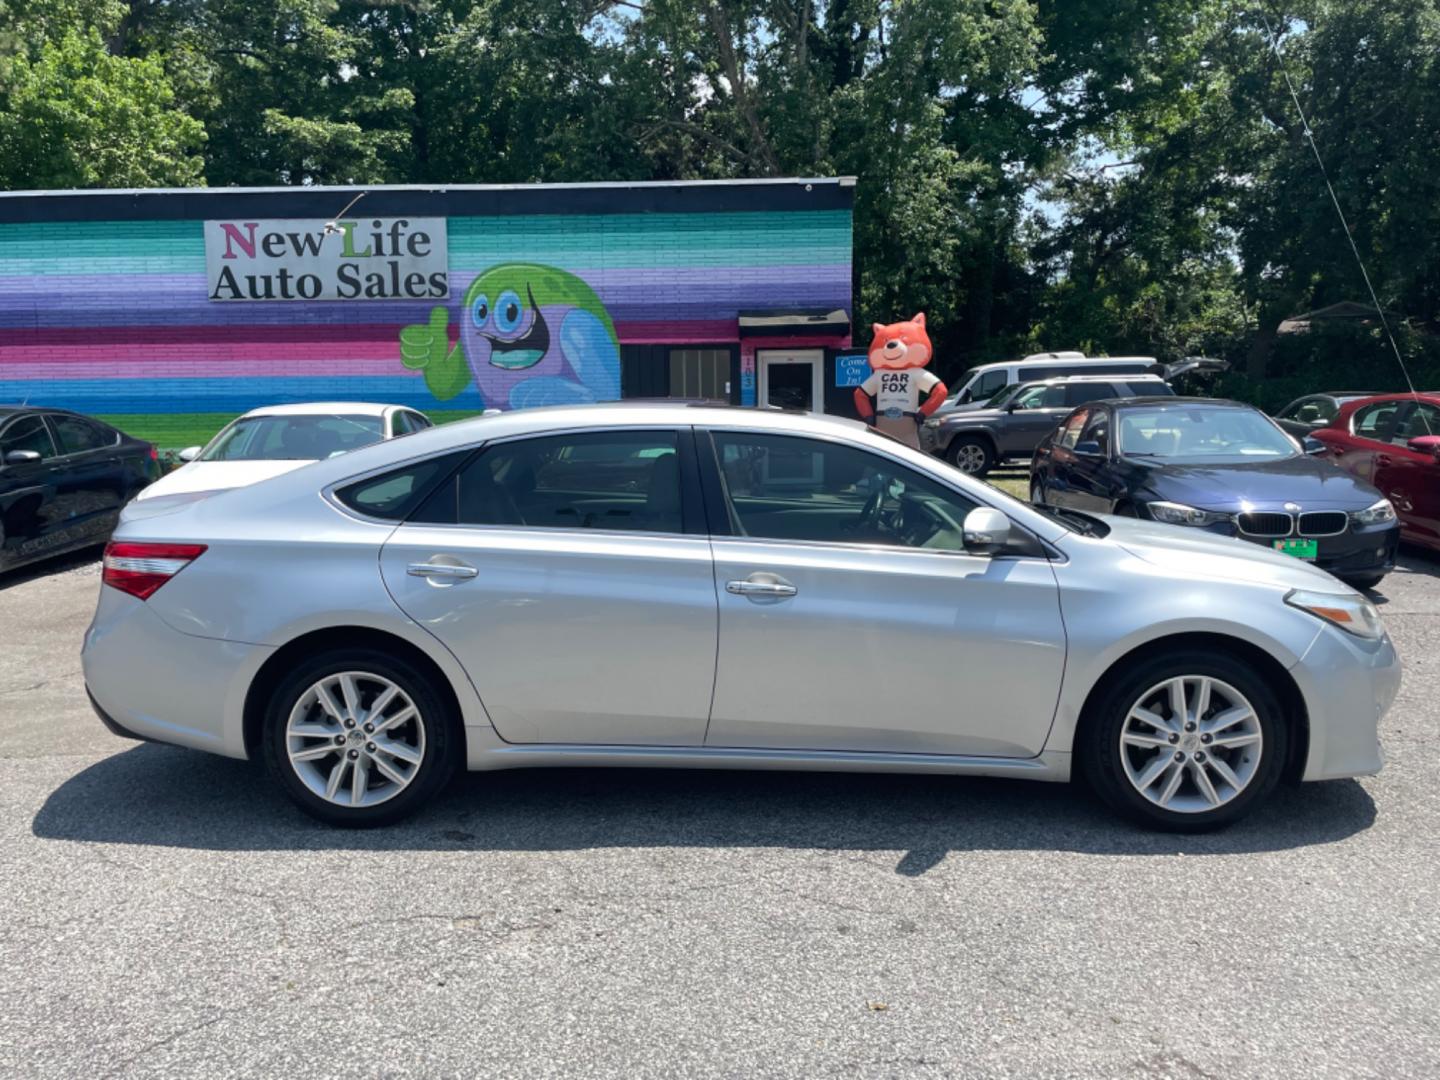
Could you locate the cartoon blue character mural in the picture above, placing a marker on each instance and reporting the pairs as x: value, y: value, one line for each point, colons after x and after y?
x: 529, y: 335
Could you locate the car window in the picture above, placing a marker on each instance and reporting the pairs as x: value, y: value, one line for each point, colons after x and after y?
x: 1373, y: 421
x: 1097, y: 430
x: 1080, y: 393
x: 400, y: 424
x: 1422, y: 420
x: 1032, y: 397
x: 627, y: 481
x: 1202, y: 434
x: 991, y: 383
x: 418, y: 421
x: 782, y: 487
x: 76, y: 435
x: 1146, y: 389
x: 292, y: 437
x: 1069, y: 433
x: 27, y: 433
x: 395, y: 495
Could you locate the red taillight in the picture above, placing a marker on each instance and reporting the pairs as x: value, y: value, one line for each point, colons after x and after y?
x: 140, y: 569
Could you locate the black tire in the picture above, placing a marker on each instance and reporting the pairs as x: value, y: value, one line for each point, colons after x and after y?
x: 971, y: 454
x: 441, y: 745
x: 1099, y: 748
x: 1370, y: 581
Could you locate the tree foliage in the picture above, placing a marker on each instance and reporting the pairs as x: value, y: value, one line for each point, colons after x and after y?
x: 1119, y: 176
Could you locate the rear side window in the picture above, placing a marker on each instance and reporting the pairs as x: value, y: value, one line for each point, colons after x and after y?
x: 27, y: 433
x: 394, y: 496
x: 1373, y: 421
x: 1148, y: 389
x: 1080, y: 393
x: 625, y: 481
x: 77, y: 435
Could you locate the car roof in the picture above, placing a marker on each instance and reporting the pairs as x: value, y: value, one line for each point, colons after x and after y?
x: 1178, y: 402
x: 1046, y: 361
x: 1061, y: 380
x: 326, y: 408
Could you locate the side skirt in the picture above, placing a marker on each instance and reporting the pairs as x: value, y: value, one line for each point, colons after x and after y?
x: 487, y: 752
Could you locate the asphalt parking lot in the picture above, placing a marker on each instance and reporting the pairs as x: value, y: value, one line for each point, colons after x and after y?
x: 169, y: 914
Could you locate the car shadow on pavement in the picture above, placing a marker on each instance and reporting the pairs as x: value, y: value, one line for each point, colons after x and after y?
x: 1412, y: 561
x: 166, y: 797
x: 57, y: 564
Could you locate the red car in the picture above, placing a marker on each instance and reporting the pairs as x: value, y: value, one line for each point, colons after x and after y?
x: 1393, y: 441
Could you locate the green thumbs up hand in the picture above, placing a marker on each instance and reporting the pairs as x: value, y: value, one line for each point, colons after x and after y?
x: 426, y: 347
x: 424, y: 344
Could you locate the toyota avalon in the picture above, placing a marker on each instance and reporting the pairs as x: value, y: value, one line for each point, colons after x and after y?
x: 690, y: 587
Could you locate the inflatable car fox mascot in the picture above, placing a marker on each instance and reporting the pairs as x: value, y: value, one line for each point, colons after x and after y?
x: 898, y: 379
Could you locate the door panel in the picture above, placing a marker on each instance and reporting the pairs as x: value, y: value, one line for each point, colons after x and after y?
x: 1409, y: 479
x: 568, y: 636
x: 887, y: 650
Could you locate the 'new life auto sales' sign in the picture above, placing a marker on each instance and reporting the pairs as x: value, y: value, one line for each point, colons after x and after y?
x: 299, y: 259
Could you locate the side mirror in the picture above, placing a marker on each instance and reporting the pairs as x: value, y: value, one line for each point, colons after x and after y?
x: 986, y: 531
x: 1088, y: 448
x: 21, y: 457
x: 1313, y: 446
x: 1426, y: 444
x: 190, y: 453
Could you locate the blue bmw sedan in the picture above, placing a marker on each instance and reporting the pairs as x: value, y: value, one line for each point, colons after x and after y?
x: 1221, y: 466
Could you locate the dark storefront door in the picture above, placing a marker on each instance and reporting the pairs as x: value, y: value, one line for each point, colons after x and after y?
x: 791, y: 380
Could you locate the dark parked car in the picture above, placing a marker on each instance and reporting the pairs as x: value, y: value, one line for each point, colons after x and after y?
x: 1219, y: 466
x: 63, y: 479
x: 1011, y: 425
x: 1304, y: 415
x: 1393, y: 441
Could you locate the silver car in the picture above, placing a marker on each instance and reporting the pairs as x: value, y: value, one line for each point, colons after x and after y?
x: 716, y: 588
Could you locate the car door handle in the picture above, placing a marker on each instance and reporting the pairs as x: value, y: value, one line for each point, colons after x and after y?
x: 763, y: 590
x: 1383, y: 459
x: 442, y: 571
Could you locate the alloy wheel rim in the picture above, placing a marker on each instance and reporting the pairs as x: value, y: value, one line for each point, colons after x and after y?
x: 355, y: 739
x: 970, y: 458
x: 1191, y: 744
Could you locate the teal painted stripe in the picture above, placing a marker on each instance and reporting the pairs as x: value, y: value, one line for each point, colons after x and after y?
x: 586, y: 241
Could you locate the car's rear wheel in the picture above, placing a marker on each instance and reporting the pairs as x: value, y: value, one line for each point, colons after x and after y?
x: 359, y: 738
x: 971, y: 455
x: 1185, y: 741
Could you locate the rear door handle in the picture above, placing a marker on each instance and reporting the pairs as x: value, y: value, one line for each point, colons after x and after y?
x: 442, y: 571
x: 762, y: 590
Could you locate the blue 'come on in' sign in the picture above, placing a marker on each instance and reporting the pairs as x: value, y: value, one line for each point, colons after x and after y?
x: 851, y: 370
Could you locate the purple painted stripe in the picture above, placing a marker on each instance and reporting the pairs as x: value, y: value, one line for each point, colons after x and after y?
x: 177, y: 299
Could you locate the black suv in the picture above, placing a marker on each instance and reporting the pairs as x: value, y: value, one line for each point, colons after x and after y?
x: 1013, y: 424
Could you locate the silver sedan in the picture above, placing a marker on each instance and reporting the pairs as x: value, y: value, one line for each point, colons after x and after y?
x: 713, y: 588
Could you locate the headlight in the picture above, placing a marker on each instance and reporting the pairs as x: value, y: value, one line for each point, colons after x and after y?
x: 932, y: 421
x: 1180, y: 514
x: 1349, y: 611
x: 1378, y: 514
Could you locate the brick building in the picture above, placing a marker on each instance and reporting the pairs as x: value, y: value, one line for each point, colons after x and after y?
x: 168, y: 312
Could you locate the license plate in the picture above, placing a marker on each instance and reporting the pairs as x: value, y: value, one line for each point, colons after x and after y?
x: 1301, y: 549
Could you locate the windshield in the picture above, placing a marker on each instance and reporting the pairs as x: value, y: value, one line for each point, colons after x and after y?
x: 292, y: 438
x: 1215, y: 435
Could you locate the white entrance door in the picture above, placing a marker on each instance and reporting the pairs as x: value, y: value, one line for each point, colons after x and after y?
x: 792, y: 379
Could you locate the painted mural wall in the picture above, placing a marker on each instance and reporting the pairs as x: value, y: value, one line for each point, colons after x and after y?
x: 114, y: 318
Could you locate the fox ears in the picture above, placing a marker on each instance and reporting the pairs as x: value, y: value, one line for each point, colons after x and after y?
x: 880, y: 328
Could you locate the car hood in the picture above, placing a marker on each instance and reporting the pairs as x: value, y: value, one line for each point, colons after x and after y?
x: 1199, y: 555
x: 967, y: 414
x: 1311, y: 482
x: 217, y: 476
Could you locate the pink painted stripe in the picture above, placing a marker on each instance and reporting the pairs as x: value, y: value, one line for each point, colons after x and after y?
x: 199, y: 368
x: 220, y: 347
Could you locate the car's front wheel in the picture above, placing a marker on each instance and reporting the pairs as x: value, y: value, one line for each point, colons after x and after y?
x: 1185, y: 741
x: 358, y: 738
x: 971, y: 454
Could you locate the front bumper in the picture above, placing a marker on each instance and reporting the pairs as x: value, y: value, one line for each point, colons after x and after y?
x: 1348, y: 684
x: 1360, y: 551
x: 149, y: 681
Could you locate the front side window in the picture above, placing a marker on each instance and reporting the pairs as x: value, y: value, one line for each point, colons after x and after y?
x: 27, y: 433
x: 627, y: 481
x: 1098, y: 431
x: 1031, y: 397
x: 1194, y: 435
x: 1373, y: 421
x: 76, y: 435
x: 1422, y: 420
x: 989, y: 384
x: 781, y: 487
x: 293, y: 438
